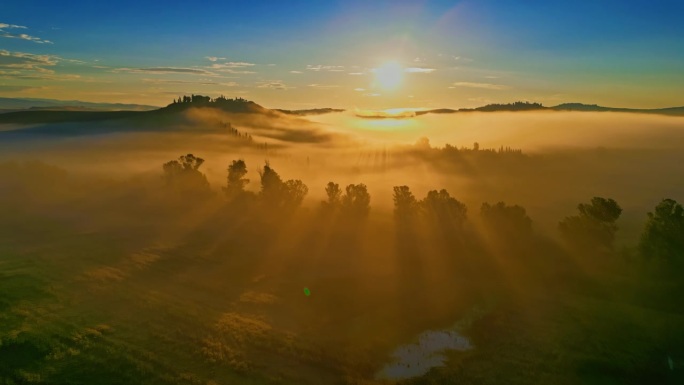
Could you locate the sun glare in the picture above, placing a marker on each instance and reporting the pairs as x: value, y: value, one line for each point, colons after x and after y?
x: 388, y: 76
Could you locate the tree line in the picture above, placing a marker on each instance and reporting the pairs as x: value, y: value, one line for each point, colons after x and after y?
x: 592, y: 228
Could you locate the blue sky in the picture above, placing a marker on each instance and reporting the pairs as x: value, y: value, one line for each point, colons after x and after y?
x: 300, y: 54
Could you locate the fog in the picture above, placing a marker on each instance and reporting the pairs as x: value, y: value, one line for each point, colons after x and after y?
x: 197, y: 273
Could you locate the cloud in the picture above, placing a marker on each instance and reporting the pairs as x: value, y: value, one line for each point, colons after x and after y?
x: 323, y: 85
x: 22, y: 36
x: 8, y: 26
x: 47, y: 76
x: 165, y: 70
x: 232, y: 64
x: 329, y: 68
x: 213, y: 58
x: 295, y: 72
x: 21, y: 61
x: 419, y: 70
x: 232, y: 67
x: 274, y: 85
x: 359, y: 89
x: 356, y: 73
x: 171, y: 81
x: 371, y: 95
x: 486, y: 86
x: 4, y: 88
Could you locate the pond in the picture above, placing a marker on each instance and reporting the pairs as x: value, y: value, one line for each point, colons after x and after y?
x: 416, y: 359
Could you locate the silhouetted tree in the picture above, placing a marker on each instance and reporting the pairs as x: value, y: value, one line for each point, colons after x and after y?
x: 356, y: 201
x: 334, y: 194
x: 278, y: 194
x: 507, y: 221
x: 184, y: 175
x: 663, y: 236
x: 236, y: 179
x: 448, y: 212
x: 295, y: 191
x: 595, y: 226
x: 405, y: 204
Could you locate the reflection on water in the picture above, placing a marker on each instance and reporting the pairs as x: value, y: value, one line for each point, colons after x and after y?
x: 416, y: 359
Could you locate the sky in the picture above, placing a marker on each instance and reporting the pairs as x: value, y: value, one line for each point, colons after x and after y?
x: 346, y: 54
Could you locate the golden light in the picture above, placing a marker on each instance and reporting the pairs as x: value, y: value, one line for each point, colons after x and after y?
x: 388, y: 76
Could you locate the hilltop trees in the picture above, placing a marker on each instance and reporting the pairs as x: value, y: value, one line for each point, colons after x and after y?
x: 663, y: 236
x: 594, y: 227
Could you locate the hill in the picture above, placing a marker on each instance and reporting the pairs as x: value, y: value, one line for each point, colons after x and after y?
x: 19, y: 104
x: 41, y: 116
x: 579, y: 107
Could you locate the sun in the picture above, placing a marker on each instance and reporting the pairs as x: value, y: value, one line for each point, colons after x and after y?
x: 388, y: 76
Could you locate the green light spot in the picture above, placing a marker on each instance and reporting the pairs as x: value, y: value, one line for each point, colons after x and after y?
x: 307, y: 292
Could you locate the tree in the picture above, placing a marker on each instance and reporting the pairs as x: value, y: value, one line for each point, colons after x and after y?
x: 184, y: 175
x: 594, y: 226
x: 663, y: 235
x: 278, y: 194
x: 236, y: 179
x: 405, y: 204
x: 295, y: 191
x: 507, y: 221
x: 356, y: 201
x: 448, y: 212
x: 271, y: 184
x: 334, y: 194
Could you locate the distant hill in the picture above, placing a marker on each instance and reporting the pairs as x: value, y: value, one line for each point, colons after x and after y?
x: 158, y: 115
x: 45, y: 111
x: 579, y: 107
x: 312, y: 111
x: 677, y: 111
x: 21, y: 104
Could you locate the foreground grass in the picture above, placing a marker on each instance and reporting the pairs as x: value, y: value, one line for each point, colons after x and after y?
x: 117, y: 303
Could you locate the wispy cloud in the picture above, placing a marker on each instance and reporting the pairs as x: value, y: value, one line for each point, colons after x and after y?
x: 359, y: 89
x: 172, y: 81
x: 5, y: 88
x: 23, y: 36
x: 295, y: 72
x: 486, y: 86
x: 214, y: 58
x: 232, y: 64
x: 419, y: 70
x: 329, y: 68
x: 165, y: 70
x: 8, y: 26
x: 232, y: 67
x: 27, y: 61
x: 356, y: 73
x: 274, y: 85
x: 323, y: 86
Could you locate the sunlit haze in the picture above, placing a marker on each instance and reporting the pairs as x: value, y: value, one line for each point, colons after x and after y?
x: 347, y: 192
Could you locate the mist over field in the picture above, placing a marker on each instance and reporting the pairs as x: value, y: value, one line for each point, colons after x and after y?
x: 200, y: 245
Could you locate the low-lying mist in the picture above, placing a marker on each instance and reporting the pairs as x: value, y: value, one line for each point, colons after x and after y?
x: 333, y: 248
x: 563, y: 157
